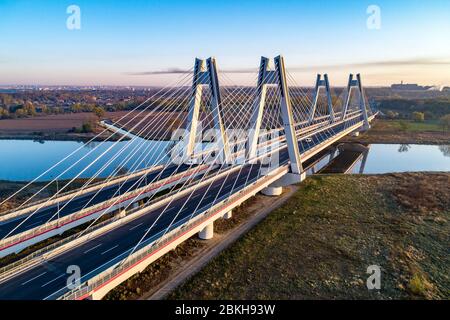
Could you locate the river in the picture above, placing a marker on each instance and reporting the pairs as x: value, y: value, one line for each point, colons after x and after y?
x: 24, y: 160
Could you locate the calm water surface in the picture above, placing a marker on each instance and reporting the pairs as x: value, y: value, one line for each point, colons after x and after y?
x: 24, y: 160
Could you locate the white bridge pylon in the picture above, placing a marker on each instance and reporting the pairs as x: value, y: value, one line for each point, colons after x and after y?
x: 276, y: 78
x: 325, y: 84
x: 356, y: 84
x: 205, y: 73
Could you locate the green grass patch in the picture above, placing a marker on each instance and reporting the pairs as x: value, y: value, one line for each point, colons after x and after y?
x: 407, y: 126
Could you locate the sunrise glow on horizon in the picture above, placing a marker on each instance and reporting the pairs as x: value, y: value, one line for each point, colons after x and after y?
x: 118, y: 43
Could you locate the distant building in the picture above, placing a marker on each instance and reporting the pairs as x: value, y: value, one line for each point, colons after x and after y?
x: 410, y: 87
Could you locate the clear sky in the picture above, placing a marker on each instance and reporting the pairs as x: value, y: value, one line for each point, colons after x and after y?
x: 119, y: 40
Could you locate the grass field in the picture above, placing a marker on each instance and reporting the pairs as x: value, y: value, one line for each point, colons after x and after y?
x: 408, y: 126
x: 403, y: 131
x: 319, y: 244
x: 55, y: 127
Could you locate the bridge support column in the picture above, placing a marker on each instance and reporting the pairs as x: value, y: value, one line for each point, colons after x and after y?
x: 272, y: 191
x: 228, y: 215
x: 207, y: 232
x: 122, y: 213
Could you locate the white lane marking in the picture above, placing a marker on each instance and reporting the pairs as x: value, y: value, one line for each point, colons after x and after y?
x: 53, y: 280
x: 109, y: 249
x: 88, y: 250
x: 132, y: 228
x: 34, y: 278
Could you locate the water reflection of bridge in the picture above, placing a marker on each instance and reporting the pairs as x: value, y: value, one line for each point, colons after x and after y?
x: 343, y: 158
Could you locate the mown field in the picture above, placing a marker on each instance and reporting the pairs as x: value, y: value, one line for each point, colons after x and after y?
x: 320, y: 243
x: 403, y: 131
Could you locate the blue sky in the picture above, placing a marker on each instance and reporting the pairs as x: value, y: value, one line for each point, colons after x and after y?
x: 119, y: 38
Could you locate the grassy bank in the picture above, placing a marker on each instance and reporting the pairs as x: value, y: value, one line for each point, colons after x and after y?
x: 320, y: 243
x: 403, y: 131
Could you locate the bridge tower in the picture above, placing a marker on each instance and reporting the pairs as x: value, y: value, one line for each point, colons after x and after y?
x: 205, y: 74
x: 357, y: 85
x: 321, y: 84
x: 276, y: 77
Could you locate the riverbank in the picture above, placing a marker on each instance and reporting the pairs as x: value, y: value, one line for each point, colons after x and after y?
x: 319, y: 247
x: 402, y: 132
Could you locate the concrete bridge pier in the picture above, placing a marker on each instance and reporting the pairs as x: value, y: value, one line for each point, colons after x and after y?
x: 363, y: 129
x: 228, y: 215
x: 272, y: 191
x: 207, y: 232
x: 122, y: 213
x: 276, y: 188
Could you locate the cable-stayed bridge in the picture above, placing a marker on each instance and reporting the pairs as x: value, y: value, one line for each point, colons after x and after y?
x: 228, y: 143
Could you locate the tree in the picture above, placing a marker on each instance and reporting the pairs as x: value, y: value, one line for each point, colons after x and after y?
x: 76, y: 108
x: 99, y: 112
x: 391, y: 114
x: 4, y: 114
x: 445, y: 150
x: 87, y: 127
x: 445, y: 122
x: 21, y: 113
x: 418, y: 116
x: 45, y: 109
x: 29, y: 108
x: 6, y: 99
x: 404, y: 148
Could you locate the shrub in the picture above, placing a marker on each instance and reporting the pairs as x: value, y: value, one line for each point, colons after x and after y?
x: 418, y: 116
